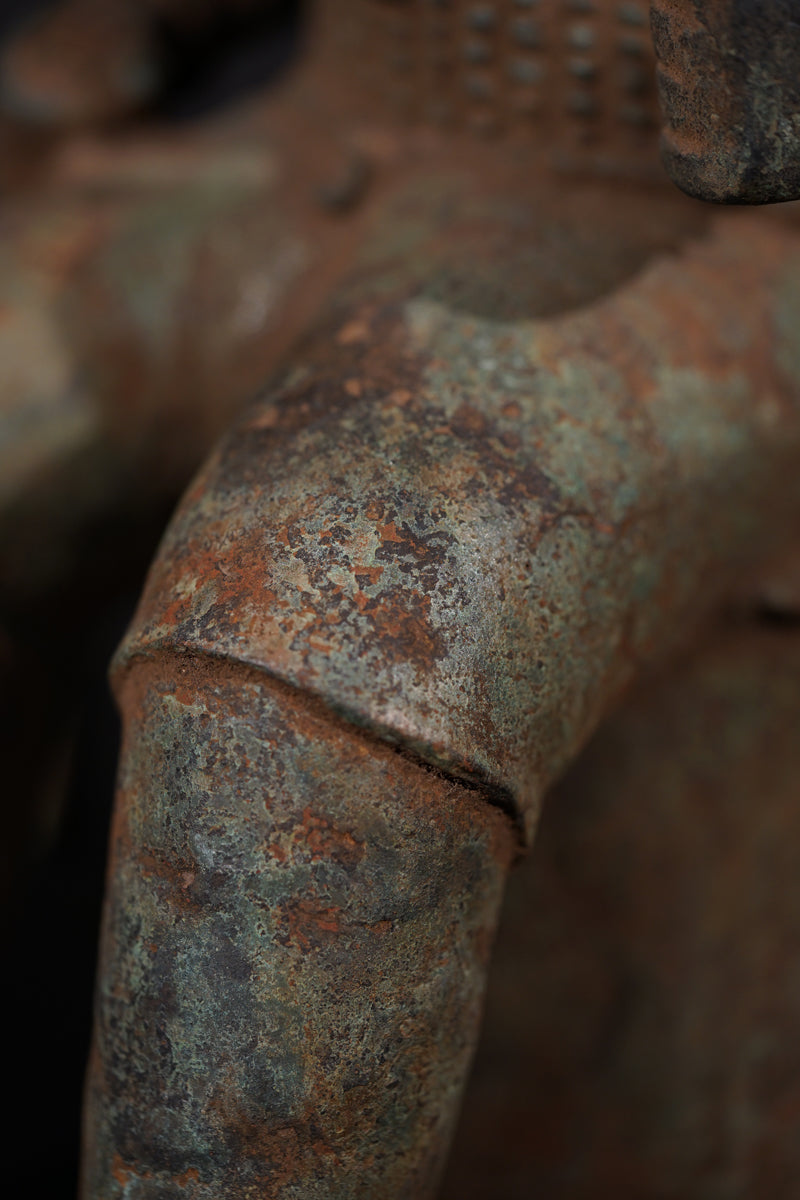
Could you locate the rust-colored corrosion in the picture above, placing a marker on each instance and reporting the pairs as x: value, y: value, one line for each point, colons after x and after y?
x: 152, y: 278
x: 468, y: 534
x: 729, y: 77
x: 547, y: 425
x: 299, y: 923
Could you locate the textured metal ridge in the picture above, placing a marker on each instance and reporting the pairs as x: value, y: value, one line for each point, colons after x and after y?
x: 469, y: 534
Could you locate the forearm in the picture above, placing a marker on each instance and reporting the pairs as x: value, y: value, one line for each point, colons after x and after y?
x: 296, y: 939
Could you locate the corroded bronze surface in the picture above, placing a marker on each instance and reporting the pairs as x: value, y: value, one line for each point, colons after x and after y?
x: 729, y: 74
x: 295, y: 946
x: 547, y: 424
x: 468, y: 534
x: 154, y: 279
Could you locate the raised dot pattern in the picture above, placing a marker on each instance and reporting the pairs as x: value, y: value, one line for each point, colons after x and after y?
x: 581, y: 66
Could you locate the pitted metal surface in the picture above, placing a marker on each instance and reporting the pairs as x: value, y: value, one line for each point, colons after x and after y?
x: 469, y: 535
x: 546, y: 425
x: 295, y: 947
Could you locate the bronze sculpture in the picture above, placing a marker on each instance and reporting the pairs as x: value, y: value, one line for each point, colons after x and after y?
x: 492, y: 488
x: 544, y: 430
